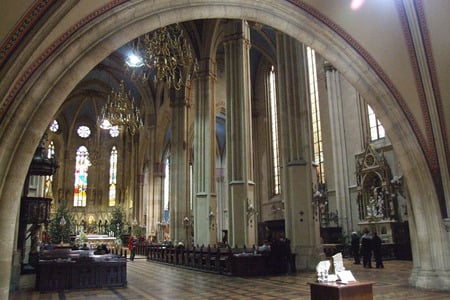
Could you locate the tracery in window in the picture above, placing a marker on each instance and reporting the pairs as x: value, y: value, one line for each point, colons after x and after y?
x: 82, y: 164
x: 54, y: 126
x: 315, y: 114
x: 83, y: 131
x: 113, y: 177
x: 274, y: 133
x: 114, y: 131
x: 376, y: 129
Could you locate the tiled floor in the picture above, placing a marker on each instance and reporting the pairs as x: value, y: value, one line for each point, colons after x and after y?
x: 149, y: 280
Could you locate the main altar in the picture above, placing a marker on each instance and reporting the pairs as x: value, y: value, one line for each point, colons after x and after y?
x: 94, y: 240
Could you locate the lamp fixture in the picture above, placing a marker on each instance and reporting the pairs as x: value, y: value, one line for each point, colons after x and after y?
x: 120, y: 110
x: 163, y: 55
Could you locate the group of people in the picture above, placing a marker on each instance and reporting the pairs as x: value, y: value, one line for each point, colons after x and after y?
x: 365, y: 246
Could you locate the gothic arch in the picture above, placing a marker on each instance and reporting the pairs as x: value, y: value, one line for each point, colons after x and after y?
x: 38, y: 94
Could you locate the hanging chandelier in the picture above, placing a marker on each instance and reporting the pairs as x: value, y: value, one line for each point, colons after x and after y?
x: 120, y: 110
x: 163, y: 55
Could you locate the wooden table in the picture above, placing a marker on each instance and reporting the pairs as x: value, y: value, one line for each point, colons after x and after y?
x: 356, y: 290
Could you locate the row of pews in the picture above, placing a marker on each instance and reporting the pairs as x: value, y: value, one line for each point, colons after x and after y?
x: 220, y: 260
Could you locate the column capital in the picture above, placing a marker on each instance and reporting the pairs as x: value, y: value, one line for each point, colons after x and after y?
x: 178, y: 98
x: 236, y: 30
x: 328, y: 67
x: 206, y: 68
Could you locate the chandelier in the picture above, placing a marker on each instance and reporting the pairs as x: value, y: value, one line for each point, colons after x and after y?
x: 120, y: 110
x: 163, y: 55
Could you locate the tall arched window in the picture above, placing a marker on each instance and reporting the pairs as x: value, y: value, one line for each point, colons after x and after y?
x: 81, y: 177
x: 274, y: 133
x: 112, y: 177
x: 315, y: 114
x: 49, y: 178
x: 166, y: 190
x: 376, y: 128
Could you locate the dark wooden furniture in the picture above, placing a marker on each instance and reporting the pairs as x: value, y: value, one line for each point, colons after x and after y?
x: 227, y: 261
x: 248, y: 265
x: 334, y: 291
x: 81, y: 272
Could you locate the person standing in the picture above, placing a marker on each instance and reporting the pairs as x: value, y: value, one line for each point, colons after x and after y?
x: 286, y: 253
x: 281, y: 251
x: 376, y: 245
x: 366, y: 249
x: 355, y: 248
x: 132, y: 241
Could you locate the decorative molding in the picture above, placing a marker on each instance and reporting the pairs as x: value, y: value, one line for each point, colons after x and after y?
x: 432, y: 159
x: 17, y: 86
x: 28, y: 21
x: 415, y: 30
x: 433, y: 72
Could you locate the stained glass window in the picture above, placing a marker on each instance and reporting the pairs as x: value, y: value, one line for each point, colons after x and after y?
x: 49, y: 178
x: 112, y: 176
x: 51, y: 150
x: 54, y: 126
x: 114, y: 131
x: 82, y: 164
x: 166, y: 190
x: 84, y: 131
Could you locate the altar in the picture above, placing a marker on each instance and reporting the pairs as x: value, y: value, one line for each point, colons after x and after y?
x: 94, y: 240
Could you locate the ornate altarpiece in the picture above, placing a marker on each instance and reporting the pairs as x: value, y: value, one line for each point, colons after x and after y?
x: 377, y: 196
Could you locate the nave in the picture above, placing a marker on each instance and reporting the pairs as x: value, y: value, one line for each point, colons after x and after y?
x: 149, y: 280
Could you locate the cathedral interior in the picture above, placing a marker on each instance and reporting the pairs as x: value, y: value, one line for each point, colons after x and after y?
x: 225, y: 123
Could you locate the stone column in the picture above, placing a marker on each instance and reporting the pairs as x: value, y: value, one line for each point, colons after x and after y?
x: 295, y: 150
x: 179, y: 167
x: 205, y: 202
x: 242, y: 221
x: 153, y: 182
x: 222, y: 206
x: 339, y: 149
x: 138, y: 184
x: 139, y: 201
x: 155, y: 211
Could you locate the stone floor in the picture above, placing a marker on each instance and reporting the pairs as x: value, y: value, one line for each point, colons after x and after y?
x: 150, y: 280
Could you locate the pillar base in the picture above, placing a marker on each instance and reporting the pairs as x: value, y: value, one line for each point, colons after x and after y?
x: 307, y: 257
x: 430, y: 279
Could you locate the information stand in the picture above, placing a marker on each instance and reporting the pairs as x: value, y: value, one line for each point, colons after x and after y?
x: 336, y: 291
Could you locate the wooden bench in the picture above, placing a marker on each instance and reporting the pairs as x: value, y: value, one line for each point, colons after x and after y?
x: 223, y: 260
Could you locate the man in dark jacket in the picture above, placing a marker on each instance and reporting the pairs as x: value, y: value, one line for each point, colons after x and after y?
x: 366, y: 249
x: 355, y: 248
x: 376, y: 245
